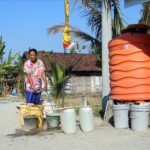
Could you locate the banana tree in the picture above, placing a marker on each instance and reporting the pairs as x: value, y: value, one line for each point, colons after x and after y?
x: 8, y: 65
x: 19, y: 63
x: 7, y: 68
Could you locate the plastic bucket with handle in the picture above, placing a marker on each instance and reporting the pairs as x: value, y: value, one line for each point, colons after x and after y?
x: 120, y: 114
x: 139, y: 115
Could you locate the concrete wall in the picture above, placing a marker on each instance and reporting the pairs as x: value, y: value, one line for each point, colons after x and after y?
x: 84, y: 85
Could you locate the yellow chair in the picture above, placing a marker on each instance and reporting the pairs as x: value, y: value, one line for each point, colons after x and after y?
x: 36, y: 110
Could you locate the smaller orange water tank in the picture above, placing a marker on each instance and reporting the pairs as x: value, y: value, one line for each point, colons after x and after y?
x: 130, y: 66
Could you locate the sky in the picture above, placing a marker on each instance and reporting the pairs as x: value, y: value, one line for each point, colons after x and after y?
x: 24, y: 23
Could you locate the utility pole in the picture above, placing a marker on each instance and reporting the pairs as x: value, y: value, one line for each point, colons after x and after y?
x: 106, y: 37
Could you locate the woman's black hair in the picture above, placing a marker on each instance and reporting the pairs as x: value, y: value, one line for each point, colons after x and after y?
x: 33, y: 50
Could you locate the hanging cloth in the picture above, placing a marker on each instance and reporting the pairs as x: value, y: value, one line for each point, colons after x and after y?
x: 66, y: 36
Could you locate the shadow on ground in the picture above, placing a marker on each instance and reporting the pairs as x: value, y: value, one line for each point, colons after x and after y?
x: 35, y: 132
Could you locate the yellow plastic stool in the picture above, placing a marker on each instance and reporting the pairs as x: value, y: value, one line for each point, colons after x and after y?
x: 36, y: 110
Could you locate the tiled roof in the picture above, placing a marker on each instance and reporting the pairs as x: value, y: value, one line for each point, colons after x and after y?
x: 80, y: 62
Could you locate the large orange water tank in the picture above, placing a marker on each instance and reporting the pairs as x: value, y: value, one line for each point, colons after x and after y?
x: 130, y: 67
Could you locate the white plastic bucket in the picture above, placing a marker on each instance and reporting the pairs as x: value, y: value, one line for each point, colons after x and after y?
x: 68, y: 121
x: 86, y: 119
x: 120, y: 114
x: 49, y: 107
x: 53, y: 120
x: 139, y: 115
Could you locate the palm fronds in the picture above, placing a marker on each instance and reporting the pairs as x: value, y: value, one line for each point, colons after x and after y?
x: 58, y: 79
x: 95, y: 44
x: 94, y: 18
x: 145, y: 19
x: 60, y: 28
x: 117, y: 21
x: 93, y: 10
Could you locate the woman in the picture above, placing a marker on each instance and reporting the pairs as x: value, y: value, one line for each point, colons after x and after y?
x: 34, y: 70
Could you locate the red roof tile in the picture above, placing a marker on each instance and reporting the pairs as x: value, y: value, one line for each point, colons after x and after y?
x: 80, y: 62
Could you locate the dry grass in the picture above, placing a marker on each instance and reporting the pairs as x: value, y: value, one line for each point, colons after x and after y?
x: 94, y: 102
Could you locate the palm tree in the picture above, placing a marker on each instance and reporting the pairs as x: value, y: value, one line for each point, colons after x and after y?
x: 145, y: 19
x: 92, y: 9
x: 58, y: 78
x: 94, y: 45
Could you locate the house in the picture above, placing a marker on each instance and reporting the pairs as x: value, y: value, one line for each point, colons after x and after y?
x: 85, y: 75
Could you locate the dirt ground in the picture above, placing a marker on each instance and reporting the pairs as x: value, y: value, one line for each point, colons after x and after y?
x: 104, y: 137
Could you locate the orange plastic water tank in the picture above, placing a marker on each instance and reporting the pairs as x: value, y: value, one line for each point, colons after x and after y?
x: 130, y: 67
